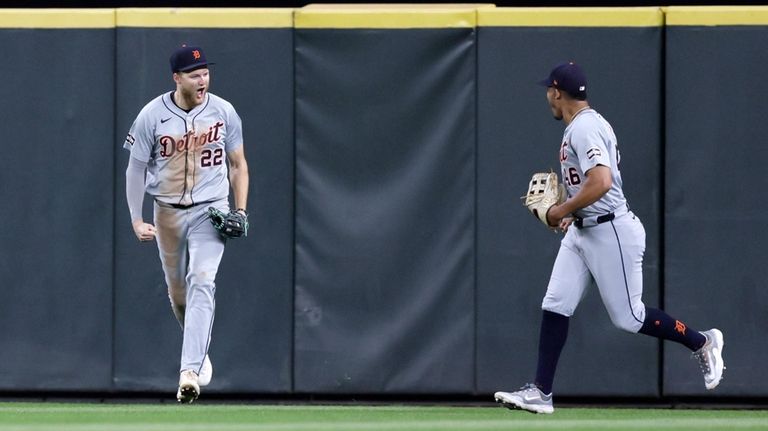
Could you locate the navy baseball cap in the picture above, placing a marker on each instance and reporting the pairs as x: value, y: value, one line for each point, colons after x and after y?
x: 570, y: 78
x: 188, y: 58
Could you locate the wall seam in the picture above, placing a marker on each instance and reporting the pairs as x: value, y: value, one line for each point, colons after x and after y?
x: 662, y: 193
x: 476, y: 200
x: 293, y: 210
x: 114, y: 207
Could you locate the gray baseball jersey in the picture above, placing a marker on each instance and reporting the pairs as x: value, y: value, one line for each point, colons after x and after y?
x: 610, y: 253
x: 185, y: 151
x: 589, y: 141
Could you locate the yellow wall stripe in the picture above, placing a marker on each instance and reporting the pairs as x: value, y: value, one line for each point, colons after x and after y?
x: 571, y: 17
x: 717, y: 15
x: 205, y: 17
x: 385, y: 16
x: 388, y: 16
x: 57, y: 18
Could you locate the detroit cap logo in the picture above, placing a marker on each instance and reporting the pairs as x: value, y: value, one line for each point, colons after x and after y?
x: 196, y: 54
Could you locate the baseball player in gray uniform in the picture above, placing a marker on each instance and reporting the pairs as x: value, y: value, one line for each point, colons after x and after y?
x: 186, y: 148
x: 604, y: 243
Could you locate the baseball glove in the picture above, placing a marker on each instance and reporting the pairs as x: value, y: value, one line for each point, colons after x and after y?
x: 232, y: 225
x: 544, y: 191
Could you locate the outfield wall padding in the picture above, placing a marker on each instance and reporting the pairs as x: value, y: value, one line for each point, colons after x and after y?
x: 518, y: 136
x: 251, y: 346
x: 385, y: 166
x: 388, y: 251
x: 715, y: 148
x: 56, y: 269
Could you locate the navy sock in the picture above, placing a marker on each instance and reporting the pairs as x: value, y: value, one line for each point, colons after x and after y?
x: 554, y: 332
x: 661, y: 325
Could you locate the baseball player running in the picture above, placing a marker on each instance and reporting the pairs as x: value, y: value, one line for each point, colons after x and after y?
x: 183, y: 141
x: 604, y: 242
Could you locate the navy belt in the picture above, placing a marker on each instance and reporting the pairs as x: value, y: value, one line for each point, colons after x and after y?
x: 179, y: 206
x: 182, y: 207
x: 582, y: 222
x: 579, y: 222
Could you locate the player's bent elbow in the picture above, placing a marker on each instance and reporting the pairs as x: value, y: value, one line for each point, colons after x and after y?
x: 607, y: 186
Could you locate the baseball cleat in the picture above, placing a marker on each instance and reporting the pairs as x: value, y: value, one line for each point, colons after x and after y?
x: 189, y: 389
x: 528, y: 398
x: 710, y: 358
x: 206, y: 372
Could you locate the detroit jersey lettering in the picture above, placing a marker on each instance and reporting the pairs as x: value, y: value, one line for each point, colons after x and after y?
x: 185, y: 151
x: 587, y: 142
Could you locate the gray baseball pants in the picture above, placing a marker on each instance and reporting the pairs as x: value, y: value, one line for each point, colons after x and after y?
x: 190, y: 251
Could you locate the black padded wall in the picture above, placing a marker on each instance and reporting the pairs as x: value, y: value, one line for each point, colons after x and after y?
x: 56, y: 267
x: 715, y: 247
x: 518, y: 136
x: 388, y: 251
x: 385, y: 210
x: 251, y: 347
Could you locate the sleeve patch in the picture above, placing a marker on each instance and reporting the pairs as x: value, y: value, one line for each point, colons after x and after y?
x: 594, y: 152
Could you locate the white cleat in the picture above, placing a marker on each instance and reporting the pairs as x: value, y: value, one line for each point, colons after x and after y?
x: 528, y: 398
x: 189, y: 389
x: 206, y: 372
x: 710, y: 358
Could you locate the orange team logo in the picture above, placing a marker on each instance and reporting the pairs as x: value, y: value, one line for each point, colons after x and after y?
x: 680, y: 327
x: 196, y: 54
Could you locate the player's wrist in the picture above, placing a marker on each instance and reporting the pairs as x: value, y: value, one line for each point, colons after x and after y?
x: 242, y: 211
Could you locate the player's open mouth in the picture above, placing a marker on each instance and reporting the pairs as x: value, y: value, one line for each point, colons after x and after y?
x: 200, y: 92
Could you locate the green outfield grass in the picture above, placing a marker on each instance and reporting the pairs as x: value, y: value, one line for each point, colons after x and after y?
x: 231, y: 417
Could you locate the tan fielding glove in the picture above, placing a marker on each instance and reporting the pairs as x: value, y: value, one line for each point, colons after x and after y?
x: 544, y: 191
